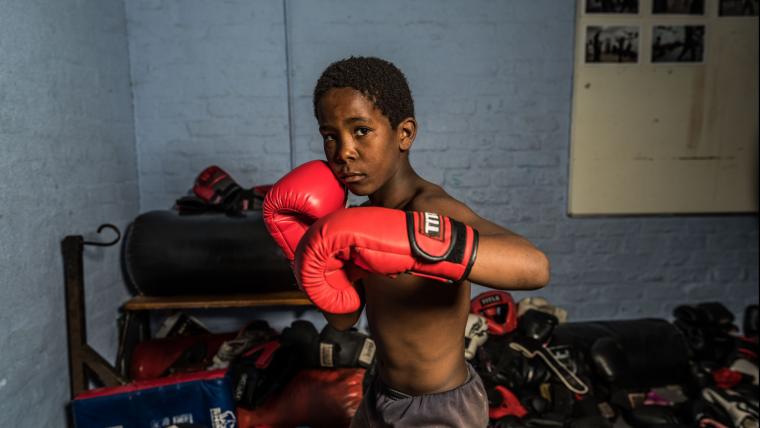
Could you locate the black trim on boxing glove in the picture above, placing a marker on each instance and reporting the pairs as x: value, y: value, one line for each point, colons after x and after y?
x: 434, y: 227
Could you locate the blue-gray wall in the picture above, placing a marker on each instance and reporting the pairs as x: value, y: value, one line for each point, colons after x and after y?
x: 209, y: 87
x: 67, y: 164
x: 492, y: 84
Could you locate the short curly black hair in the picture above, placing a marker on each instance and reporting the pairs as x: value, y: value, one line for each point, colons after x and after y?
x: 379, y: 80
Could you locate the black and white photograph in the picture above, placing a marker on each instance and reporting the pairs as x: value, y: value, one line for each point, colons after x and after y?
x: 738, y: 7
x: 678, y: 43
x: 612, y: 6
x: 678, y: 7
x: 612, y: 44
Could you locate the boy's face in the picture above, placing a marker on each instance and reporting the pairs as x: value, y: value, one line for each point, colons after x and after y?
x: 362, y: 148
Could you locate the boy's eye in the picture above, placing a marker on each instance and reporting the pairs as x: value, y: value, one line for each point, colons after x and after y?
x: 327, y: 138
x: 362, y: 131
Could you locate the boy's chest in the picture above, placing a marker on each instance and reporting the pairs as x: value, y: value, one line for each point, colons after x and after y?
x: 412, y: 292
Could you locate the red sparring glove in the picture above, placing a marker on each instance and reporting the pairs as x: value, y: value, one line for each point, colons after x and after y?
x: 297, y: 200
x: 382, y: 241
x: 215, y: 186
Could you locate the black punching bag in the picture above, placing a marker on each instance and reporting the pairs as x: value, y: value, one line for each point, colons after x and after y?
x: 167, y: 254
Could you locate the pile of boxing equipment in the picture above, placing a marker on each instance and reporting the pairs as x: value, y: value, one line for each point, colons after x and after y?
x: 257, y: 373
x: 266, y: 369
x: 541, y: 371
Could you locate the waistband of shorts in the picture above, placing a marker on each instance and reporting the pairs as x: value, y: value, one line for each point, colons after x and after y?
x: 395, y: 394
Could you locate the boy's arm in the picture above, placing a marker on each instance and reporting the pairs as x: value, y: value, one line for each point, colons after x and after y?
x: 438, y: 241
x: 505, y: 260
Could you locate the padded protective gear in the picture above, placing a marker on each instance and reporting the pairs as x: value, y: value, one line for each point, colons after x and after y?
x: 741, y: 410
x: 543, y: 305
x: 502, y: 402
x: 202, y: 397
x: 382, y: 241
x: 214, y: 185
x: 253, y: 334
x: 536, y: 329
x: 747, y: 367
x: 609, y: 360
x: 298, y: 199
x: 348, y: 348
x: 532, y: 349
x: 653, y: 416
x: 538, y: 325
x: 502, y: 365
x: 216, y: 188
x: 708, y: 328
x: 180, y: 324
x: 267, y: 368
x: 316, y: 398
x: 637, y: 338
x: 157, y: 358
x: 498, y: 307
x: 261, y: 371
x: 475, y: 334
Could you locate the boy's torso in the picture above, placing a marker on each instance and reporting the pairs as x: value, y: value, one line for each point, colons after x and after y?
x: 418, y: 324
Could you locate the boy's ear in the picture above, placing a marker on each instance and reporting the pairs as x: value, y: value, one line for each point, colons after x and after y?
x: 407, y: 130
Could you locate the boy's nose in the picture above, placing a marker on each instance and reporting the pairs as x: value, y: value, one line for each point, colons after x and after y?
x: 346, y: 150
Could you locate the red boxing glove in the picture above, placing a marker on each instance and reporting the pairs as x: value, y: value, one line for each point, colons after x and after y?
x: 215, y: 186
x: 382, y: 241
x: 298, y: 199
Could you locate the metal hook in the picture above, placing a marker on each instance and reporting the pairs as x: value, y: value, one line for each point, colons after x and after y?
x: 105, y: 244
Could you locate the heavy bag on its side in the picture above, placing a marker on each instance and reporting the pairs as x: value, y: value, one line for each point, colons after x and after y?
x: 652, y: 352
x: 167, y: 254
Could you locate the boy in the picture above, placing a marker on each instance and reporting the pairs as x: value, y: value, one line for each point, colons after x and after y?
x: 366, y: 118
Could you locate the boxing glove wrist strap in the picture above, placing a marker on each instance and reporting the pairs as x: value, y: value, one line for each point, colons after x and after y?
x: 436, y: 238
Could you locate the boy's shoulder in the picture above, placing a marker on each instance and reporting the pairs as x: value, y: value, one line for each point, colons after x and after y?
x: 427, y: 196
x: 433, y: 198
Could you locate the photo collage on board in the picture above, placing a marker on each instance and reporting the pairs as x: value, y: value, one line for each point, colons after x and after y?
x: 619, y: 43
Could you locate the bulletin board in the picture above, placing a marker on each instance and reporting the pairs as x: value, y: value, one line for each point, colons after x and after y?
x: 665, y: 107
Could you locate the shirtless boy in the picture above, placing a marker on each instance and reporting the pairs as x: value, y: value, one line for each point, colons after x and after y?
x: 411, y: 272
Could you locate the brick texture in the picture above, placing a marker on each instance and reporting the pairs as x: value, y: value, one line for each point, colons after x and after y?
x: 67, y: 166
x: 492, y: 87
x: 209, y: 87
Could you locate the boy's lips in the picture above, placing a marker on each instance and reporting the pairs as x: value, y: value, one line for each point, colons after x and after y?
x: 352, y: 177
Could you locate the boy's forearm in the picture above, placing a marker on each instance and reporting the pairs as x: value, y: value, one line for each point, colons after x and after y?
x: 342, y: 322
x: 509, y: 262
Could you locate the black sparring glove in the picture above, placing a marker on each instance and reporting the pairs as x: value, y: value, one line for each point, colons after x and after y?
x: 261, y: 371
x: 348, y: 348
x: 267, y: 368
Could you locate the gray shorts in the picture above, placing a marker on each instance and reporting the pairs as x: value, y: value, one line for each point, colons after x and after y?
x: 463, y: 406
